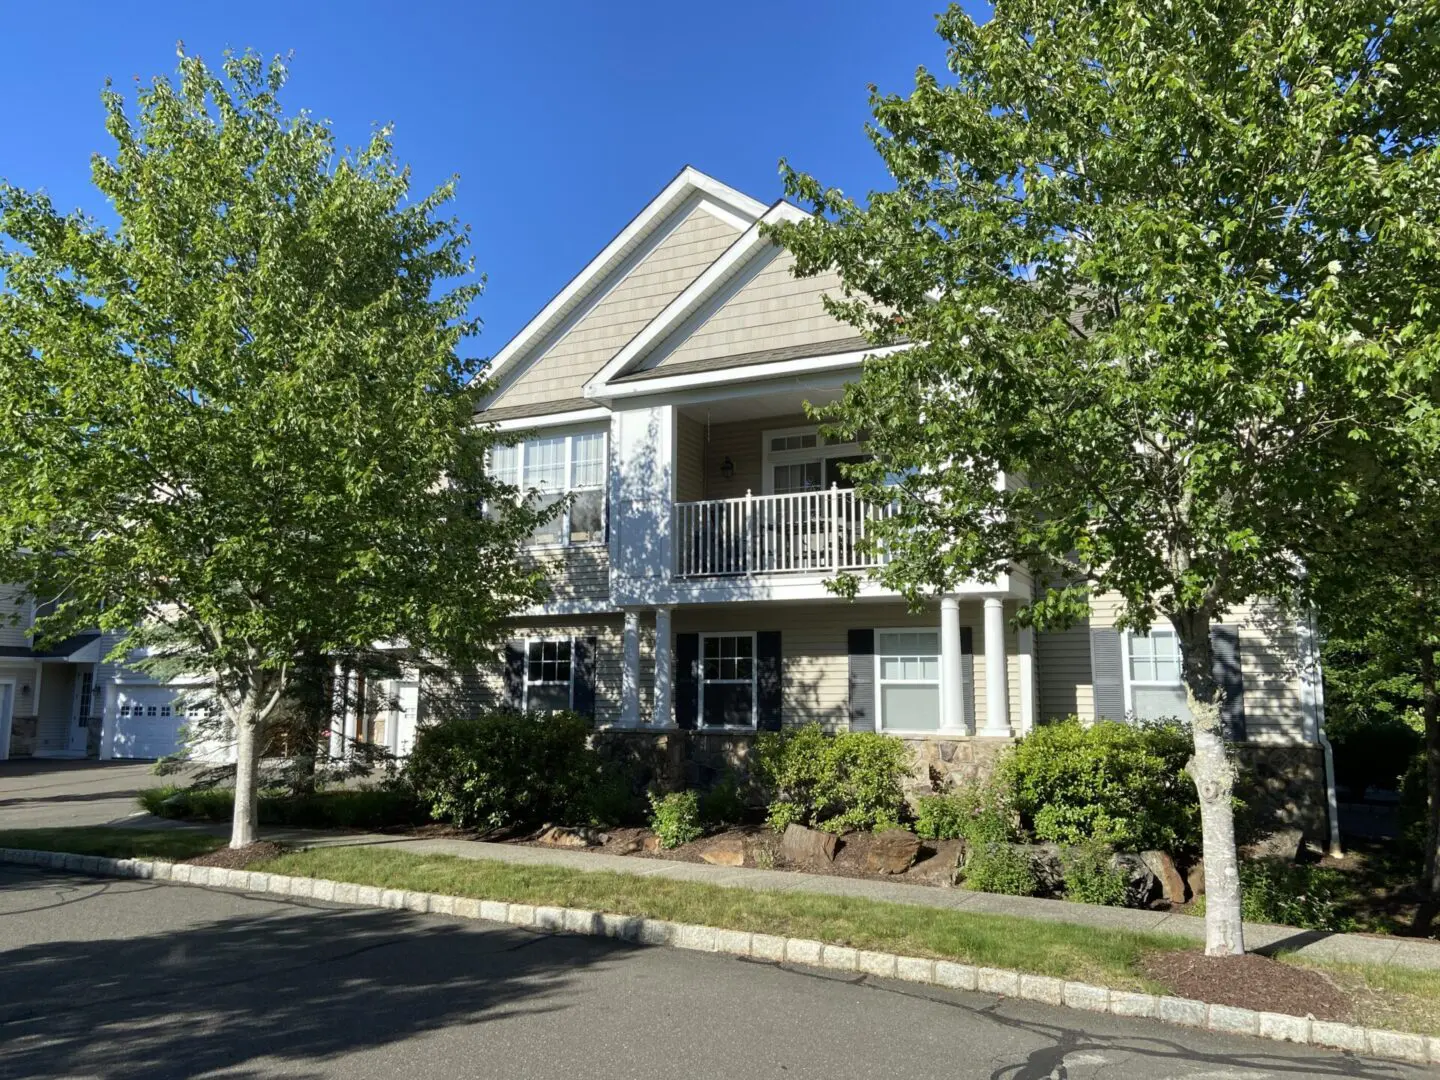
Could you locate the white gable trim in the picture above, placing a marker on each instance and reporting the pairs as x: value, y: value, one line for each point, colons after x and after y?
x: 673, y: 315
x: 724, y: 202
x: 749, y: 373
x: 525, y: 423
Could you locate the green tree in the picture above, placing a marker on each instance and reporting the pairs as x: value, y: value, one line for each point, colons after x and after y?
x: 236, y: 424
x: 1161, y: 265
x: 1374, y: 572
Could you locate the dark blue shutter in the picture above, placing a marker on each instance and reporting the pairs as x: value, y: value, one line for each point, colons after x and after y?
x: 862, y: 680
x: 687, y: 679
x: 1225, y: 668
x: 768, y: 682
x: 1107, y: 673
x: 583, y: 694
x: 967, y: 678
x: 515, y: 674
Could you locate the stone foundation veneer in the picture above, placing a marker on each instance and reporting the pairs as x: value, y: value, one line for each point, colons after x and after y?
x: 1282, y: 785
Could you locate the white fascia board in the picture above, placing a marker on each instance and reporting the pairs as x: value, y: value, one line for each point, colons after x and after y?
x: 731, y: 205
x: 786, y: 587
x: 738, y: 375
x: 696, y: 293
x: 525, y: 423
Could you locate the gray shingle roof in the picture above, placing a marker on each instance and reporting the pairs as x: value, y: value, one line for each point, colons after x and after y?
x: 764, y: 356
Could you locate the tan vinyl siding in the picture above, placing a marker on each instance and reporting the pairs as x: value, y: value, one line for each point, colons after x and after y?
x: 690, y: 462
x: 773, y: 309
x: 1063, y: 667
x: 57, y: 701
x: 580, y: 572
x: 814, y: 644
x: 743, y: 442
x: 617, y: 316
x: 485, y: 687
x: 1269, y: 664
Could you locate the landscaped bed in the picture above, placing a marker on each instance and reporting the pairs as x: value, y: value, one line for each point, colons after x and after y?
x: 1384, y: 997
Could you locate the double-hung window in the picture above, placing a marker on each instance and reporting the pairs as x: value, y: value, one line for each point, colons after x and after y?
x: 548, y: 671
x: 554, y: 466
x: 727, y: 680
x: 908, y: 679
x: 1154, y: 683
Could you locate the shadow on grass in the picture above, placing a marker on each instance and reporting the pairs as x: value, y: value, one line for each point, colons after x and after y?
x: 295, y: 986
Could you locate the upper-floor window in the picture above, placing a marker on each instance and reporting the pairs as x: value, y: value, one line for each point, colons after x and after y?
x: 801, y: 459
x: 1154, y: 684
x: 554, y: 466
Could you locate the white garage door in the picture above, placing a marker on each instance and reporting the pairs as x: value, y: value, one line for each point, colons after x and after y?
x: 147, y: 722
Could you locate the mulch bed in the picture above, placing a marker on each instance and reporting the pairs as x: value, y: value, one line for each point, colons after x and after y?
x: 1249, y: 982
x: 238, y: 858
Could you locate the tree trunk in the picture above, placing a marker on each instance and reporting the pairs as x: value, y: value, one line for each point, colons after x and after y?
x: 1214, y: 775
x: 247, y: 772
x: 1430, y: 697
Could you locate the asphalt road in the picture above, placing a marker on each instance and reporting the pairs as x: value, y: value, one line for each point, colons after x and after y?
x: 145, y: 979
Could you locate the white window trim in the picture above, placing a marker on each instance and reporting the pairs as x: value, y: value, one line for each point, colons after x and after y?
x: 822, y: 451
x: 1128, y: 683
x: 603, y: 487
x: 938, y: 683
x: 754, y: 724
x: 525, y: 676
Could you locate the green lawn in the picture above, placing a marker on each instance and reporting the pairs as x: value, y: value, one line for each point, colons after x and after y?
x: 1071, y: 952
x: 114, y: 843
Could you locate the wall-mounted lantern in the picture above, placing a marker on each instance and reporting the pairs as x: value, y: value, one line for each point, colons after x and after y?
x: 727, y: 468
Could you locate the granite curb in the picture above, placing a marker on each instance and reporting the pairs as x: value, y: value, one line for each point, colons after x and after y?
x: 635, y: 929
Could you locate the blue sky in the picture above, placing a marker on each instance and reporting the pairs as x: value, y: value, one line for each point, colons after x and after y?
x: 561, y: 118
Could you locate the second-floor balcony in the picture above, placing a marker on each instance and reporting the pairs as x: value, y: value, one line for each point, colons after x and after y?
x: 803, y: 532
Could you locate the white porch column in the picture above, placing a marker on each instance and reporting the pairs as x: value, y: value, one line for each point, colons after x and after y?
x: 952, y: 710
x: 997, y: 705
x: 1025, y: 657
x: 630, y: 675
x: 107, y: 720
x: 662, y: 716
x: 338, y: 702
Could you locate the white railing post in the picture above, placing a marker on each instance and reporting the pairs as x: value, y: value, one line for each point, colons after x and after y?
x: 749, y: 532
x: 834, y: 526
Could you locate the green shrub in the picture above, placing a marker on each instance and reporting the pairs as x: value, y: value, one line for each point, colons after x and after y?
x: 611, y: 799
x: 1292, y: 894
x: 505, y: 768
x: 1092, y: 877
x: 723, y: 803
x: 342, y: 808
x: 675, y: 818
x: 976, y: 813
x: 1121, y: 784
x: 1000, y: 868
x: 852, y: 780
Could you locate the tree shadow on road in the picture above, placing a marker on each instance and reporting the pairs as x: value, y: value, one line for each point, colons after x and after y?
x: 272, y: 991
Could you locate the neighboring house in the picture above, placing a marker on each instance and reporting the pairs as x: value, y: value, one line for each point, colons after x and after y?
x: 664, y: 388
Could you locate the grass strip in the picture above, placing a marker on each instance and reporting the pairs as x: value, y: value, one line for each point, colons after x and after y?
x: 1084, y: 953
x: 114, y: 843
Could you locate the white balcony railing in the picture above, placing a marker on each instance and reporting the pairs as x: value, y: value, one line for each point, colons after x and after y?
x: 804, y: 532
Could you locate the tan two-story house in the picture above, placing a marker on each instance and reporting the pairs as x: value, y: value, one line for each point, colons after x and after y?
x: 664, y: 389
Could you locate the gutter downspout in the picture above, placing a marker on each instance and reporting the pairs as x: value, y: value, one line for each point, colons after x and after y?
x: 1316, y: 704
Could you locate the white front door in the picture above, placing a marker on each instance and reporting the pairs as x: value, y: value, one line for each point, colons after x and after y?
x: 7, y: 707
x: 79, y: 742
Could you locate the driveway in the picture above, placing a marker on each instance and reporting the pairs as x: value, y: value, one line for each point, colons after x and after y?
x: 46, y: 794
x: 149, y: 979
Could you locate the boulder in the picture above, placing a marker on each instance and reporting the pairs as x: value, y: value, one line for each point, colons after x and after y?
x: 725, y: 851
x: 802, y: 845
x: 1141, y: 885
x: 890, y: 852
x: 1048, y: 862
x: 1172, y: 885
x: 626, y: 847
x: 1195, y: 879
x: 1284, y: 844
x: 564, y: 836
